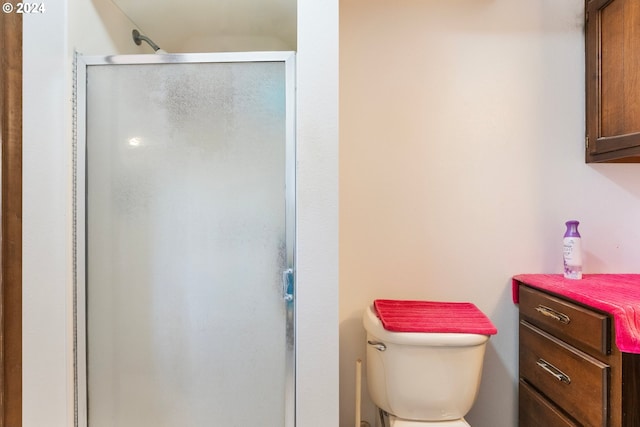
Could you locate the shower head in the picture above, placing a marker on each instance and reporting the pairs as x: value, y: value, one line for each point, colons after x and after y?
x: 138, y: 38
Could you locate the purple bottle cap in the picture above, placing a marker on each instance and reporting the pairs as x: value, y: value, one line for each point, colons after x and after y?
x: 572, y: 229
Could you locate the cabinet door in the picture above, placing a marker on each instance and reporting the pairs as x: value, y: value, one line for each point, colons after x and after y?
x: 536, y: 411
x: 613, y: 80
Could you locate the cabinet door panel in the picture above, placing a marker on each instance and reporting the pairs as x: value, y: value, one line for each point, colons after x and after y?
x: 613, y: 80
x: 575, y: 381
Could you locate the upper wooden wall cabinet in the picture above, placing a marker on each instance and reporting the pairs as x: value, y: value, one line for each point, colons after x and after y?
x: 612, y: 80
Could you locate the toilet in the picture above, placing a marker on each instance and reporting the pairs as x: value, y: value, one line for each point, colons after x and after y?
x: 424, y: 360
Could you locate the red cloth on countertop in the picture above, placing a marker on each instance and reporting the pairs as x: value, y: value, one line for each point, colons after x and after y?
x: 616, y: 294
x: 433, y: 317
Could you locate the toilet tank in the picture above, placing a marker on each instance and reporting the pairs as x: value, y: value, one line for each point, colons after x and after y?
x: 422, y: 376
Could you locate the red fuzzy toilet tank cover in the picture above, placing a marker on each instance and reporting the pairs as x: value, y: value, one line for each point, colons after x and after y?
x: 433, y: 317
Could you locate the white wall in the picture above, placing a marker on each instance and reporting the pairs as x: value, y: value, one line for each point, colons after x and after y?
x: 317, y: 214
x: 99, y: 28
x: 49, y: 40
x: 45, y: 218
x: 461, y: 157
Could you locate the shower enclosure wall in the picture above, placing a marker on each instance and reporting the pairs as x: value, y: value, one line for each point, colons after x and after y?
x: 184, y: 231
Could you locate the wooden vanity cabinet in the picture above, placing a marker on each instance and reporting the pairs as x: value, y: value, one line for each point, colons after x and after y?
x: 571, y: 372
x: 612, y: 42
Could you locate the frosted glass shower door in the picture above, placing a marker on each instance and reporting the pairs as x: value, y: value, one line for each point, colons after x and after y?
x: 189, y: 234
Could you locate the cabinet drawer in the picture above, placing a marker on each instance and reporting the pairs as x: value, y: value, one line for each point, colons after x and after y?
x: 536, y: 411
x: 575, y: 381
x: 579, y: 326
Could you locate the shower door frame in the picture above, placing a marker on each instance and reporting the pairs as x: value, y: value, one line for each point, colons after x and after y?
x: 79, y: 247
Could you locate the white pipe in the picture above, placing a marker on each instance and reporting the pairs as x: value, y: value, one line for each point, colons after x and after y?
x: 358, y: 390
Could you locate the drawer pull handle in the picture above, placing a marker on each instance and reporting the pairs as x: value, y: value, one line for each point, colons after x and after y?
x: 557, y: 373
x: 556, y: 315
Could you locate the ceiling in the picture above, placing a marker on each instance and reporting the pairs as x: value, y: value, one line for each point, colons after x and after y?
x: 215, y: 25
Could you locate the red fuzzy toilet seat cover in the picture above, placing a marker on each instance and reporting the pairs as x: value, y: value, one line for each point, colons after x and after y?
x: 433, y: 317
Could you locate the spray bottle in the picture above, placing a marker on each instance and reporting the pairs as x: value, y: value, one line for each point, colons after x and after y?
x: 572, y: 251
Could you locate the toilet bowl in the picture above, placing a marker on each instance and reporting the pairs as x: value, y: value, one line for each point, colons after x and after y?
x: 428, y: 376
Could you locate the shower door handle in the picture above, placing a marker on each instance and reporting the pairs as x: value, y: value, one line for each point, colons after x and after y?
x: 287, y: 284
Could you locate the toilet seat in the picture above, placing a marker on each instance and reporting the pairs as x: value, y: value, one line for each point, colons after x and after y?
x: 397, y: 422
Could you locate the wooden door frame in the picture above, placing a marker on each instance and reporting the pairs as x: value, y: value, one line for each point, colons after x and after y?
x: 11, y: 220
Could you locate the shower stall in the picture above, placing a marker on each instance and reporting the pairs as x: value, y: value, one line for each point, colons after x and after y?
x: 184, y: 233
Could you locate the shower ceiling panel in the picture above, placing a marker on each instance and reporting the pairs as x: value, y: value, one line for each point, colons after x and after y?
x: 215, y: 25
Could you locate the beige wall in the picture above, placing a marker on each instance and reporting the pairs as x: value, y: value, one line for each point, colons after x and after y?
x: 461, y: 157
